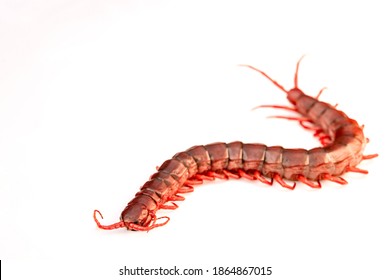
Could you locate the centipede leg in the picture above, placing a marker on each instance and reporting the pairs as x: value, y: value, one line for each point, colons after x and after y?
x: 191, y: 182
x: 338, y: 180
x: 306, y: 181
x: 369, y: 156
x: 323, y: 138
x: 231, y: 175
x: 257, y: 175
x: 172, y: 206
x: 186, y: 189
x: 277, y: 107
x: 245, y: 175
x: 279, y: 179
x: 321, y: 91
x: 318, y: 132
x: 214, y: 174
x: 357, y: 170
x: 177, y: 198
x: 299, y: 119
x: 204, y: 177
x: 310, y: 126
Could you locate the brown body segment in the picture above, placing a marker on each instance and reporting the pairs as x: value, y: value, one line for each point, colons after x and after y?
x: 319, y: 163
x: 295, y: 162
x: 273, y: 162
x: 342, y: 153
x: 219, y: 156
x: 201, y: 157
x: 235, y: 156
x: 188, y: 161
x: 253, y: 156
x: 176, y: 169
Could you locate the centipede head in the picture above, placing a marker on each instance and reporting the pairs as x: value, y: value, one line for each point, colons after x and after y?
x: 136, y: 214
x: 133, y: 221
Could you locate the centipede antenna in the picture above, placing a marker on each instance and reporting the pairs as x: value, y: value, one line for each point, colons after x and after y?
x: 296, y: 72
x: 265, y: 75
x: 120, y: 224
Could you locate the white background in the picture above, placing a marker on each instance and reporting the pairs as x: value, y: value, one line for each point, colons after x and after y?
x: 95, y: 94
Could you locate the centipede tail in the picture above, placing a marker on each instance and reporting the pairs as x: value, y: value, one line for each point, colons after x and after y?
x: 341, y: 137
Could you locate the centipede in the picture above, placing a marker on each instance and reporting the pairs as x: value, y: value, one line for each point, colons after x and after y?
x: 342, y: 145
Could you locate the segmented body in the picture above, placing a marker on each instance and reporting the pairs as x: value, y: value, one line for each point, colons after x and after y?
x: 343, y: 144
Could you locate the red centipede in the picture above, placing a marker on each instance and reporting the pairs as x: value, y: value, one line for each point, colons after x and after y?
x: 342, y: 140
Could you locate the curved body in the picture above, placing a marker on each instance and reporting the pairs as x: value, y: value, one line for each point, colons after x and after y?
x: 343, y: 144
